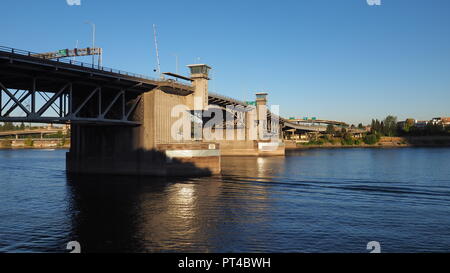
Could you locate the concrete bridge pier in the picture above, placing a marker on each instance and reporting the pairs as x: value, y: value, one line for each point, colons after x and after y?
x: 147, y: 149
x: 256, y: 143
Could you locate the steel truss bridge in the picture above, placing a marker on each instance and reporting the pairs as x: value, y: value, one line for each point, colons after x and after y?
x: 76, y: 92
x: 70, y: 91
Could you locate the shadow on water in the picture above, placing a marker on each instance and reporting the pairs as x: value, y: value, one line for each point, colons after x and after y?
x: 151, y: 214
x: 308, y: 201
x: 108, y: 211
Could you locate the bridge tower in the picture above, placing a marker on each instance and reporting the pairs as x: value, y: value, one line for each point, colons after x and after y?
x: 200, y: 78
x: 261, y: 113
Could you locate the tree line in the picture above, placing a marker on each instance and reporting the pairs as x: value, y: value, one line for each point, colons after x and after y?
x: 9, y: 126
x: 390, y: 127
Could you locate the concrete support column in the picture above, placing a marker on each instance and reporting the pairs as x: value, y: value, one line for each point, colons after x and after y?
x: 199, y: 76
x: 251, y: 129
x: 261, y: 108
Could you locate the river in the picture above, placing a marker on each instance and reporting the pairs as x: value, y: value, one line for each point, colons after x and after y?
x: 318, y: 200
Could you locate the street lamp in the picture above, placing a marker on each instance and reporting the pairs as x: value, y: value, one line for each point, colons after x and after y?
x: 176, y: 63
x: 93, y: 39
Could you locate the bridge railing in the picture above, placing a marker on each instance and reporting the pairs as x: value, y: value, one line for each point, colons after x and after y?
x: 219, y: 96
x: 81, y: 64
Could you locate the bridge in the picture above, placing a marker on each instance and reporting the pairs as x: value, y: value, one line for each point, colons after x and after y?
x: 121, y: 122
x: 73, y: 92
x: 217, y: 99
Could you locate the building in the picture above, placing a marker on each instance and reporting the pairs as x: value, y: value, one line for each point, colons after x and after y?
x: 421, y: 123
x: 441, y: 121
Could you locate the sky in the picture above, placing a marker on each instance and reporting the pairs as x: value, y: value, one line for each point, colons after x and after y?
x: 331, y: 59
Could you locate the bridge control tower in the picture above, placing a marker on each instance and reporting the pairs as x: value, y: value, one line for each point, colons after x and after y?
x: 200, y: 78
x: 261, y: 110
x: 261, y: 99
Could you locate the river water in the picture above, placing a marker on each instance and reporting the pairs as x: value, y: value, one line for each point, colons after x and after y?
x: 322, y: 200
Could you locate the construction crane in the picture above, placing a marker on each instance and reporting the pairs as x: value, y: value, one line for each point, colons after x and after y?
x: 66, y: 53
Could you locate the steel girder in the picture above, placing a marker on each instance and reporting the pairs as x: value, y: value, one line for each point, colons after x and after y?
x: 71, y: 103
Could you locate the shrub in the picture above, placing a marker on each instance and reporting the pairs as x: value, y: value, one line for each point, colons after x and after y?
x: 371, y: 139
x: 29, y: 142
x: 333, y: 141
x: 316, y: 142
x: 346, y: 141
x: 6, y: 143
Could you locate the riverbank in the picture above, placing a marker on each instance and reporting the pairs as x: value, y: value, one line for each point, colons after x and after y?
x: 40, y: 143
x: 385, y: 142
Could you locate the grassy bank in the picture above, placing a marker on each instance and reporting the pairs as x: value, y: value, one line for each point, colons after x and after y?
x: 382, y: 142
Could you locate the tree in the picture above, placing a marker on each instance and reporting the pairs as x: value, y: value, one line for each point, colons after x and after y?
x: 360, y: 126
x: 390, y: 126
x: 330, y: 129
x: 370, y: 139
x: 410, y: 122
x: 9, y: 126
x: 382, y: 129
x: 347, y: 139
x: 376, y: 126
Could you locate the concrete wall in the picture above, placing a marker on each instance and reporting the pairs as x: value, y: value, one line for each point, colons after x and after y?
x: 142, y: 150
x: 251, y: 148
x: 162, y: 104
x: 238, y: 148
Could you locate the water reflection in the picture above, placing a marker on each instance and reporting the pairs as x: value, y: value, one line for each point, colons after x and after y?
x: 308, y: 201
x: 112, y: 213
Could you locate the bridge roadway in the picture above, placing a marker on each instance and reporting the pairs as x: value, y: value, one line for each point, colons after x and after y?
x: 223, y: 101
x: 74, y: 84
x: 79, y: 92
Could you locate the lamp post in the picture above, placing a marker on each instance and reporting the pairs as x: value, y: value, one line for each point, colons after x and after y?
x: 93, y: 39
x: 176, y: 62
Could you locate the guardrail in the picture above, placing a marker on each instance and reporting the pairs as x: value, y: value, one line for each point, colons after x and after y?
x: 81, y: 64
x: 219, y: 96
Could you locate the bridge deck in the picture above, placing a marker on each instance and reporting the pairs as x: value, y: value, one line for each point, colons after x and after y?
x: 21, y: 69
x: 76, y: 92
x: 15, y: 64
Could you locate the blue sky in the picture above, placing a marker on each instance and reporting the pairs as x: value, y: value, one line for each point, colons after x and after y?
x: 331, y: 59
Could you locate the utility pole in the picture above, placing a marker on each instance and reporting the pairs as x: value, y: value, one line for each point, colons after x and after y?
x: 176, y: 63
x: 76, y: 47
x: 93, y: 39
